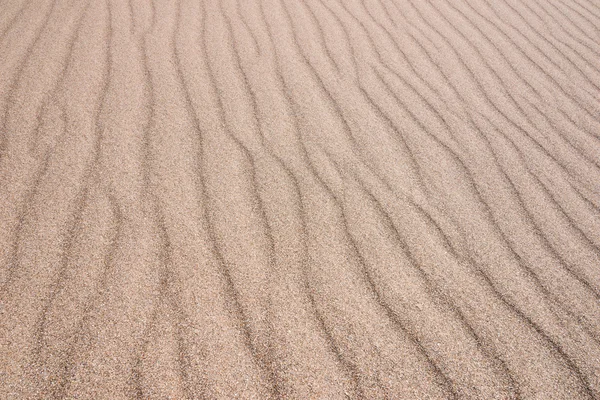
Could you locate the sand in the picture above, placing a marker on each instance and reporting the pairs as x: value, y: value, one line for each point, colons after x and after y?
x: 300, y: 199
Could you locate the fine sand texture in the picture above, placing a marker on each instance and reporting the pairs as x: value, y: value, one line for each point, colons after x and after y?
x: 300, y: 199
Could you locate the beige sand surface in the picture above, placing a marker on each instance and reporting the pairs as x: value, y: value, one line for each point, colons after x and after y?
x: 297, y: 199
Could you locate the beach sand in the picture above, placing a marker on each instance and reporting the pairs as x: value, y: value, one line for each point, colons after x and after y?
x: 300, y: 199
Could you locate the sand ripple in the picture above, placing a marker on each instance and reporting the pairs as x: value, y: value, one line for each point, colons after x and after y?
x: 300, y: 199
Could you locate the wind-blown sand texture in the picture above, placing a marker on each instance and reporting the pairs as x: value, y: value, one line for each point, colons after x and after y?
x: 302, y: 199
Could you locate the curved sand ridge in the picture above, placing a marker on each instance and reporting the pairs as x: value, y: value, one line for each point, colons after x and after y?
x: 300, y: 199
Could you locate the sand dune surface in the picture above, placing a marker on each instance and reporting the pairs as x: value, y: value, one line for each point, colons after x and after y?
x: 300, y: 199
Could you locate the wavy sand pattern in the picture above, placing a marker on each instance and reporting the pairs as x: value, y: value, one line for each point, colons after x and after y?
x: 300, y: 199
